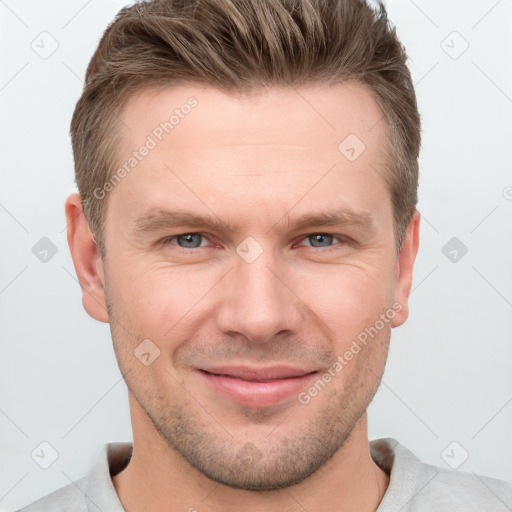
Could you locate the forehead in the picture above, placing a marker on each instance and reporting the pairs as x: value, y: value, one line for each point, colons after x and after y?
x: 285, y: 118
x: 268, y: 149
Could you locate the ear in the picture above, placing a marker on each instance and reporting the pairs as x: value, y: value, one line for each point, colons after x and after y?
x: 404, y: 267
x: 86, y: 258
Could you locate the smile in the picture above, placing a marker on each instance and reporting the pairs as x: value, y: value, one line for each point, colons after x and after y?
x: 257, y: 388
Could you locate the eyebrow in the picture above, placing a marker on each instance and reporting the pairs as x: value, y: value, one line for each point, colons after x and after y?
x: 161, y: 218
x: 157, y: 219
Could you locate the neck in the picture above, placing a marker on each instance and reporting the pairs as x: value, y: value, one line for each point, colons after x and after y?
x: 160, y: 479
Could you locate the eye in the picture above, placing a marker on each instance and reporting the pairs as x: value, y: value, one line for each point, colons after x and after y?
x: 323, y: 241
x: 319, y: 240
x: 186, y: 240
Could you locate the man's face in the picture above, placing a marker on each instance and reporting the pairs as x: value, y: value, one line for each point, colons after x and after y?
x: 256, y: 296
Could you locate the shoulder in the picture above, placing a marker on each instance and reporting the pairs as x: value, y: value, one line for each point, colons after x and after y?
x: 458, y: 490
x: 419, y: 487
x: 94, y: 492
x: 70, y: 497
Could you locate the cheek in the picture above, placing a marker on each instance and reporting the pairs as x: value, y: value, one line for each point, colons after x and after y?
x: 158, y: 301
x: 348, y: 299
x: 163, y: 303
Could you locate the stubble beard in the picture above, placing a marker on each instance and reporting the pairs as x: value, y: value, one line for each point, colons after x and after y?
x: 287, y: 455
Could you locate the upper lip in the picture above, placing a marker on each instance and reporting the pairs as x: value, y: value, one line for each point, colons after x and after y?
x: 258, y: 374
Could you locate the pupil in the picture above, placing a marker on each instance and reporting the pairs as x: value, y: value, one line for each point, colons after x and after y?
x: 189, y: 240
x: 321, y: 239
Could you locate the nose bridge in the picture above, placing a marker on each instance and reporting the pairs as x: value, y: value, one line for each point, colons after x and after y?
x: 258, y: 284
x: 256, y: 303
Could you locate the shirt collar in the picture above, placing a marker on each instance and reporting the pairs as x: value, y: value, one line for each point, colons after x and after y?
x: 404, y: 469
x: 100, y: 493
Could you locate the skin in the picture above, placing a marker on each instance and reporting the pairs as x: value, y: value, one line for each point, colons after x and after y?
x: 256, y: 162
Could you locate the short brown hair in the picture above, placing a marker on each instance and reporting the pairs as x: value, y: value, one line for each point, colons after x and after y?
x: 239, y: 46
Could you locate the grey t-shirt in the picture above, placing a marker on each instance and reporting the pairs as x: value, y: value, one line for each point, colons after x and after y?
x: 413, y: 486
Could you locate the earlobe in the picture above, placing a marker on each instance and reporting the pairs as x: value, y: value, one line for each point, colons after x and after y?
x: 405, y: 264
x: 86, y: 259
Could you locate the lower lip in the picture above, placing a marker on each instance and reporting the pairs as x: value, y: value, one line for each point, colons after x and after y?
x: 257, y: 394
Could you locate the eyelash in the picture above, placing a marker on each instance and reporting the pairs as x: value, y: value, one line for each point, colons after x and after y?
x: 343, y: 241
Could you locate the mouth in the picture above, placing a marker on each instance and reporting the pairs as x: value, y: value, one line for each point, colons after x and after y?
x: 257, y: 387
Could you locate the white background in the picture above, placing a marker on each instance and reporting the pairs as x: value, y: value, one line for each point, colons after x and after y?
x: 448, y: 376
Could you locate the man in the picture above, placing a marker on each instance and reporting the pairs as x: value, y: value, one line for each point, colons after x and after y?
x: 248, y: 177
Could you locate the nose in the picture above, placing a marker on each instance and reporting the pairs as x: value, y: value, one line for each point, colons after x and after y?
x: 258, y: 301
